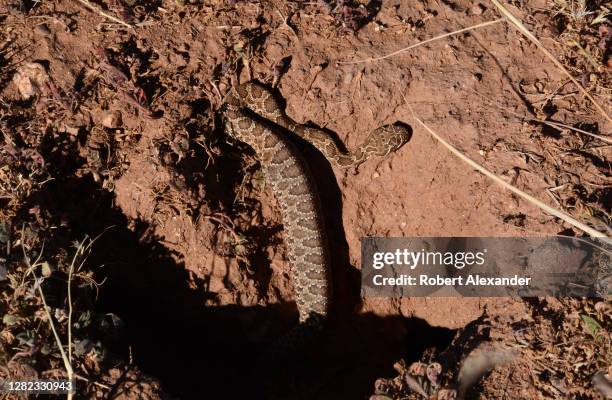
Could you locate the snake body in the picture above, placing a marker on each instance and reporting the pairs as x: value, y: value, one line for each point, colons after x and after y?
x: 291, y: 181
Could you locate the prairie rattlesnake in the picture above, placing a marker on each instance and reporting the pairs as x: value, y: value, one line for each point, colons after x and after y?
x: 288, y: 175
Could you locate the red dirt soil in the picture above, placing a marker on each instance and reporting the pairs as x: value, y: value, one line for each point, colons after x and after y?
x: 168, y: 165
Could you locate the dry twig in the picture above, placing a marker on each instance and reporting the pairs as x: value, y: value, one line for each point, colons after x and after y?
x: 423, y: 42
x: 559, y: 125
x: 95, y: 9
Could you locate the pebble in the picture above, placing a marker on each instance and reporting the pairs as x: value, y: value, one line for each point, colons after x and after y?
x: 43, y: 29
x: 112, y: 120
x: 30, y: 80
x: 476, y: 9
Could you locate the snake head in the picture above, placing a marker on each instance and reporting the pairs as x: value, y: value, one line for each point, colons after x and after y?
x: 387, y: 139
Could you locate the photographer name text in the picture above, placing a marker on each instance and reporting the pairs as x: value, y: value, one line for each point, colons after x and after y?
x: 437, y: 280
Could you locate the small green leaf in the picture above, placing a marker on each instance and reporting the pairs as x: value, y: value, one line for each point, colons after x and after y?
x: 84, y: 320
x: 592, y: 326
x: 9, y: 319
x: 46, y: 269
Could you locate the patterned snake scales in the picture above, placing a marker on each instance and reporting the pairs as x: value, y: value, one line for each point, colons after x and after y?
x: 288, y: 175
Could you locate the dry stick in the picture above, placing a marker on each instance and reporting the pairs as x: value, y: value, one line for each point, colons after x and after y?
x: 559, y: 125
x: 550, y: 123
x: 31, y: 268
x: 93, y: 8
x: 515, y: 190
x: 423, y: 42
x: 541, y: 121
x: 531, y: 37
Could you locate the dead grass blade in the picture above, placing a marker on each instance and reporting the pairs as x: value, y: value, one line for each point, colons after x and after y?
x: 559, y: 125
x: 519, y: 25
x: 422, y: 43
x: 95, y: 9
x: 546, y: 208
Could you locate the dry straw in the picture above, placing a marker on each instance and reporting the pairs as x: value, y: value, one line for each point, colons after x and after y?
x: 422, y: 43
x: 95, y: 9
x: 560, y: 125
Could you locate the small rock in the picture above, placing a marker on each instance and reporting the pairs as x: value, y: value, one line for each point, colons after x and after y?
x: 112, y: 119
x: 184, y: 111
x: 31, y: 79
x: 476, y: 9
x: 178, y: 59
x: 71, y: 130
x: 43, y: 29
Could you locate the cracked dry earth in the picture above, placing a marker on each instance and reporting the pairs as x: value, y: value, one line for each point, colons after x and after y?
x: 196, y: 264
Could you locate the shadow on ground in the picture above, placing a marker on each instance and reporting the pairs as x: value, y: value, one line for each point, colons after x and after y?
x: 198, y: 350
